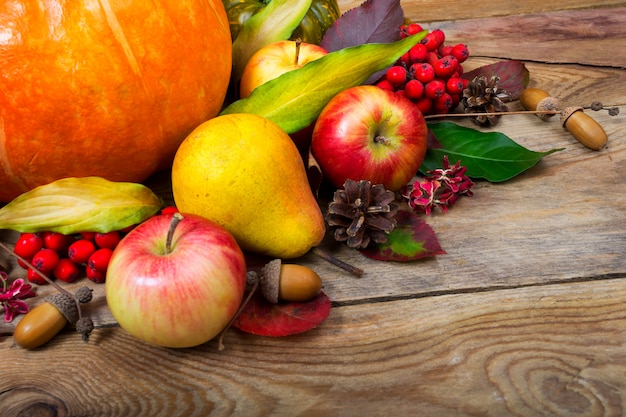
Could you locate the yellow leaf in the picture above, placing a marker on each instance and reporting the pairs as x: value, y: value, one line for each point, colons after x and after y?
x: 73, y: 205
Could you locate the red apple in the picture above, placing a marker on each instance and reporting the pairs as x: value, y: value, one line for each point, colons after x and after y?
x: 275, y: 59
x: 367, y: 133
x: 181, y: 296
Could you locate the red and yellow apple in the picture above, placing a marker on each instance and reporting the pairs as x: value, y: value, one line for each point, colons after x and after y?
x: 275, y: 59
x: 367, y: 133
x: 176, y: 283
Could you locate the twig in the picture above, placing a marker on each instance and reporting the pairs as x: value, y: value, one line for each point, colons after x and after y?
x: 341, y: 264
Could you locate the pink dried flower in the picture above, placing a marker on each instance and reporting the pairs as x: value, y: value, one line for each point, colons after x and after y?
x: 440, y: 188
x: 11, y: 296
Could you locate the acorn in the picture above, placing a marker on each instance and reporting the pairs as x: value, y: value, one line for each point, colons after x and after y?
x: 536, y: 99
x: 289, y: 282
x: 584, y: 128
x: 45, y: 320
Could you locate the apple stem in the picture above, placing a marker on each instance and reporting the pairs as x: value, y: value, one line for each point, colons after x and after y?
x: 339, y: 263
x: 298, y: 43
x: 170, y: 232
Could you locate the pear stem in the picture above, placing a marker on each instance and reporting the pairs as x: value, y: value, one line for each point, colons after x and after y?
x: 298, y: 43
x: 337, y: 262
x: 170, y: 232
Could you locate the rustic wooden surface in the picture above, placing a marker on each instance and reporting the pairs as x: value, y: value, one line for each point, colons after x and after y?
x: 524, y: 316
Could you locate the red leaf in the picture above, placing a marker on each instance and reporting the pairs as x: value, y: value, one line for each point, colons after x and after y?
x: 412, y: 239
x: 262, y: 318
x: 374, y: 21
x: 513, y: 75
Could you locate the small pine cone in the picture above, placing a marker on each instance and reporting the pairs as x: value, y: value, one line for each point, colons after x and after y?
x: 484, y: 96
x: 362, y: 213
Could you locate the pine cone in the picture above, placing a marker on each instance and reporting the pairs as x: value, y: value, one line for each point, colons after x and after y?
x: 482, y: 96
x: 362, y: 213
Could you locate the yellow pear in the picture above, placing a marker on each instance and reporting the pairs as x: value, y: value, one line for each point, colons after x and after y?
x: 245, y: 173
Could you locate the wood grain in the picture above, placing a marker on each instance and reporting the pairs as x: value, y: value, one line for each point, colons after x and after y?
x: 551, y: 350
x: 427, y: 11
x: 557, y: 37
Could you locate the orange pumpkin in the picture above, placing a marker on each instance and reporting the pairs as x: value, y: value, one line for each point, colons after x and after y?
x: 107, y: 88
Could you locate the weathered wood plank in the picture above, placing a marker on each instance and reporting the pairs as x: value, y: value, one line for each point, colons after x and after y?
x: 444, y: 10
x: 594, y: 37
x: 540, y: 350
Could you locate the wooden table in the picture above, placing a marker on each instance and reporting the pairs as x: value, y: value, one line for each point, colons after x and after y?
x: 524, y: 316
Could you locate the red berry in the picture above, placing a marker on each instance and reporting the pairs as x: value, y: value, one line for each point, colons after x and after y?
x: 169, y: 210
x: 446, y: 66
x: 445, y: 50
x: 385, y: 85
x: 22, y: 264
x: 45, y: 260
x: 88, y: 235
x: 35, y: 278
x: 80, y: 251
x: 404, y: 60
x: 95, y: 275
x: 441, y: 37
x: 460, y: 52
x: 410, y: 29
x: 454, y: 85
x: 432, y: 57
x: 423, y: 72
x: 434, y: 89
x: 456, y: 99
x: 413, y: 89
x: 56, y: 241
x: 443, y: 103
x: 66, y: 270
x: 418, y: 53
x: 424, y: 104
x: 431, y: 42
x: 99, y: 260
x: 396, y: 75
x: 28, y: 244
x: 108, y: 240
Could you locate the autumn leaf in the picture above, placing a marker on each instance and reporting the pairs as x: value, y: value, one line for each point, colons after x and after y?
x: 72, y: 205
x: 374, y: 21
x: 412, y: 239
x: 262, y: 318
x: 514, y: 76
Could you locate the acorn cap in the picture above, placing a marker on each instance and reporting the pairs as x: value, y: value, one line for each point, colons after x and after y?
x: 270, y: 281
x: 66, y: 305
x: 547, y: 103
x: 567, y: 112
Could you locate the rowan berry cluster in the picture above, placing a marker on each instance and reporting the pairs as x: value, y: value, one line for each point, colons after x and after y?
x: 67, y: 257
x: 430, y: 73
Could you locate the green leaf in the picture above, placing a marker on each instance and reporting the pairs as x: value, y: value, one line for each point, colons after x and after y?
x: 73, y: 205
x: 412, y: 239
x: 275, y: 22
x: 296, y: 98
x: 489, y: 155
